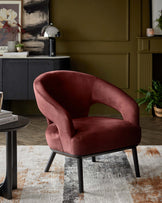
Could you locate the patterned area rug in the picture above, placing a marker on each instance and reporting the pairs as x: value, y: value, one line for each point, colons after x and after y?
x: 109, y: 180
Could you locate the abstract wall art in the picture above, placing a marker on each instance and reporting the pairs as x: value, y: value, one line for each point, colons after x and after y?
x: 35, y: 17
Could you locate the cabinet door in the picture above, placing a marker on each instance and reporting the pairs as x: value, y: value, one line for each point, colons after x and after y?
x: 36, y: 67
x: 61, y: 64
x: 15, y: 79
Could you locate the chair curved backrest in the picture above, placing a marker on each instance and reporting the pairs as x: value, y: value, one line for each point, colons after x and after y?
x: 72, y: 90
x: 76, y: 92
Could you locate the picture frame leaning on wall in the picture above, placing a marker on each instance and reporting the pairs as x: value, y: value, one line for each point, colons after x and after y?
x: 156, y: 12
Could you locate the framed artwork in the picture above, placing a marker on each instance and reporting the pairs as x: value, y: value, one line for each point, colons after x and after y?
x: 35, y: 17
x: 10, y: 19
x: 156, y: 12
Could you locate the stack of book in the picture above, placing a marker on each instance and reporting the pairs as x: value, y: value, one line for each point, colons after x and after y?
x: 7, y: 117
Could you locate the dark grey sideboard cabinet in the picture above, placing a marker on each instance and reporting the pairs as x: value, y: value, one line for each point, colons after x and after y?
x: 17, y: 74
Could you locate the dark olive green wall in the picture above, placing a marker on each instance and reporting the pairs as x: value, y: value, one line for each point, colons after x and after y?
x: 100, y: 36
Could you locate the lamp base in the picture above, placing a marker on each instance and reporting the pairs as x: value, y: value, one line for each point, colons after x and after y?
x: 52, y: 51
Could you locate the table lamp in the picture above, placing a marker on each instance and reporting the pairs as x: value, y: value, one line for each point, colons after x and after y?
x: 51, y: 32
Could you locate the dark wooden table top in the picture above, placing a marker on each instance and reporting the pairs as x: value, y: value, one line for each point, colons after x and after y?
x: 21, y: 122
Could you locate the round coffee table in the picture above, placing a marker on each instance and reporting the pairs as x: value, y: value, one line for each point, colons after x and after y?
x: 10, y: 181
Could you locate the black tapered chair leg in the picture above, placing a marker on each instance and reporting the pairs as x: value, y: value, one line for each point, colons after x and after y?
x: 93, y: 158
x: 80, y: 175
x: 135, y: 158
x: 50, y: 161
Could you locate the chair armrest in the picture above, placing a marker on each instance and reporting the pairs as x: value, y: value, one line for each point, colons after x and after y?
x: 54, y: 112
x: 110, y: 95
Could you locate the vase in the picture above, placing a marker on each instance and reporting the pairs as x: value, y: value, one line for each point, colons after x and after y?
x: 11, y: 46
x: 19, y: 49
x: 158, y: 112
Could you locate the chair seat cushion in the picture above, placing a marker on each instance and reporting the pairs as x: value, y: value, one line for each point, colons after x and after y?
x: 101, y: 134
x: 95, y: 135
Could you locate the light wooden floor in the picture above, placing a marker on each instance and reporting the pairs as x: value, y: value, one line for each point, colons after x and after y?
x: 33, y: 134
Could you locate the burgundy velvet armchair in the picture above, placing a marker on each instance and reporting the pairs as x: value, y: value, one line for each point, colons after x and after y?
x: 64, y: 98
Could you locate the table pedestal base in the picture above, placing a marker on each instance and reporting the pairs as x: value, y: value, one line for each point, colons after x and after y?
x: 10, y: 181
x: 5, y: 191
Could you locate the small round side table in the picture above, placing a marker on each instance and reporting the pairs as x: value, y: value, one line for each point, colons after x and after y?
x: 10, y: 181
